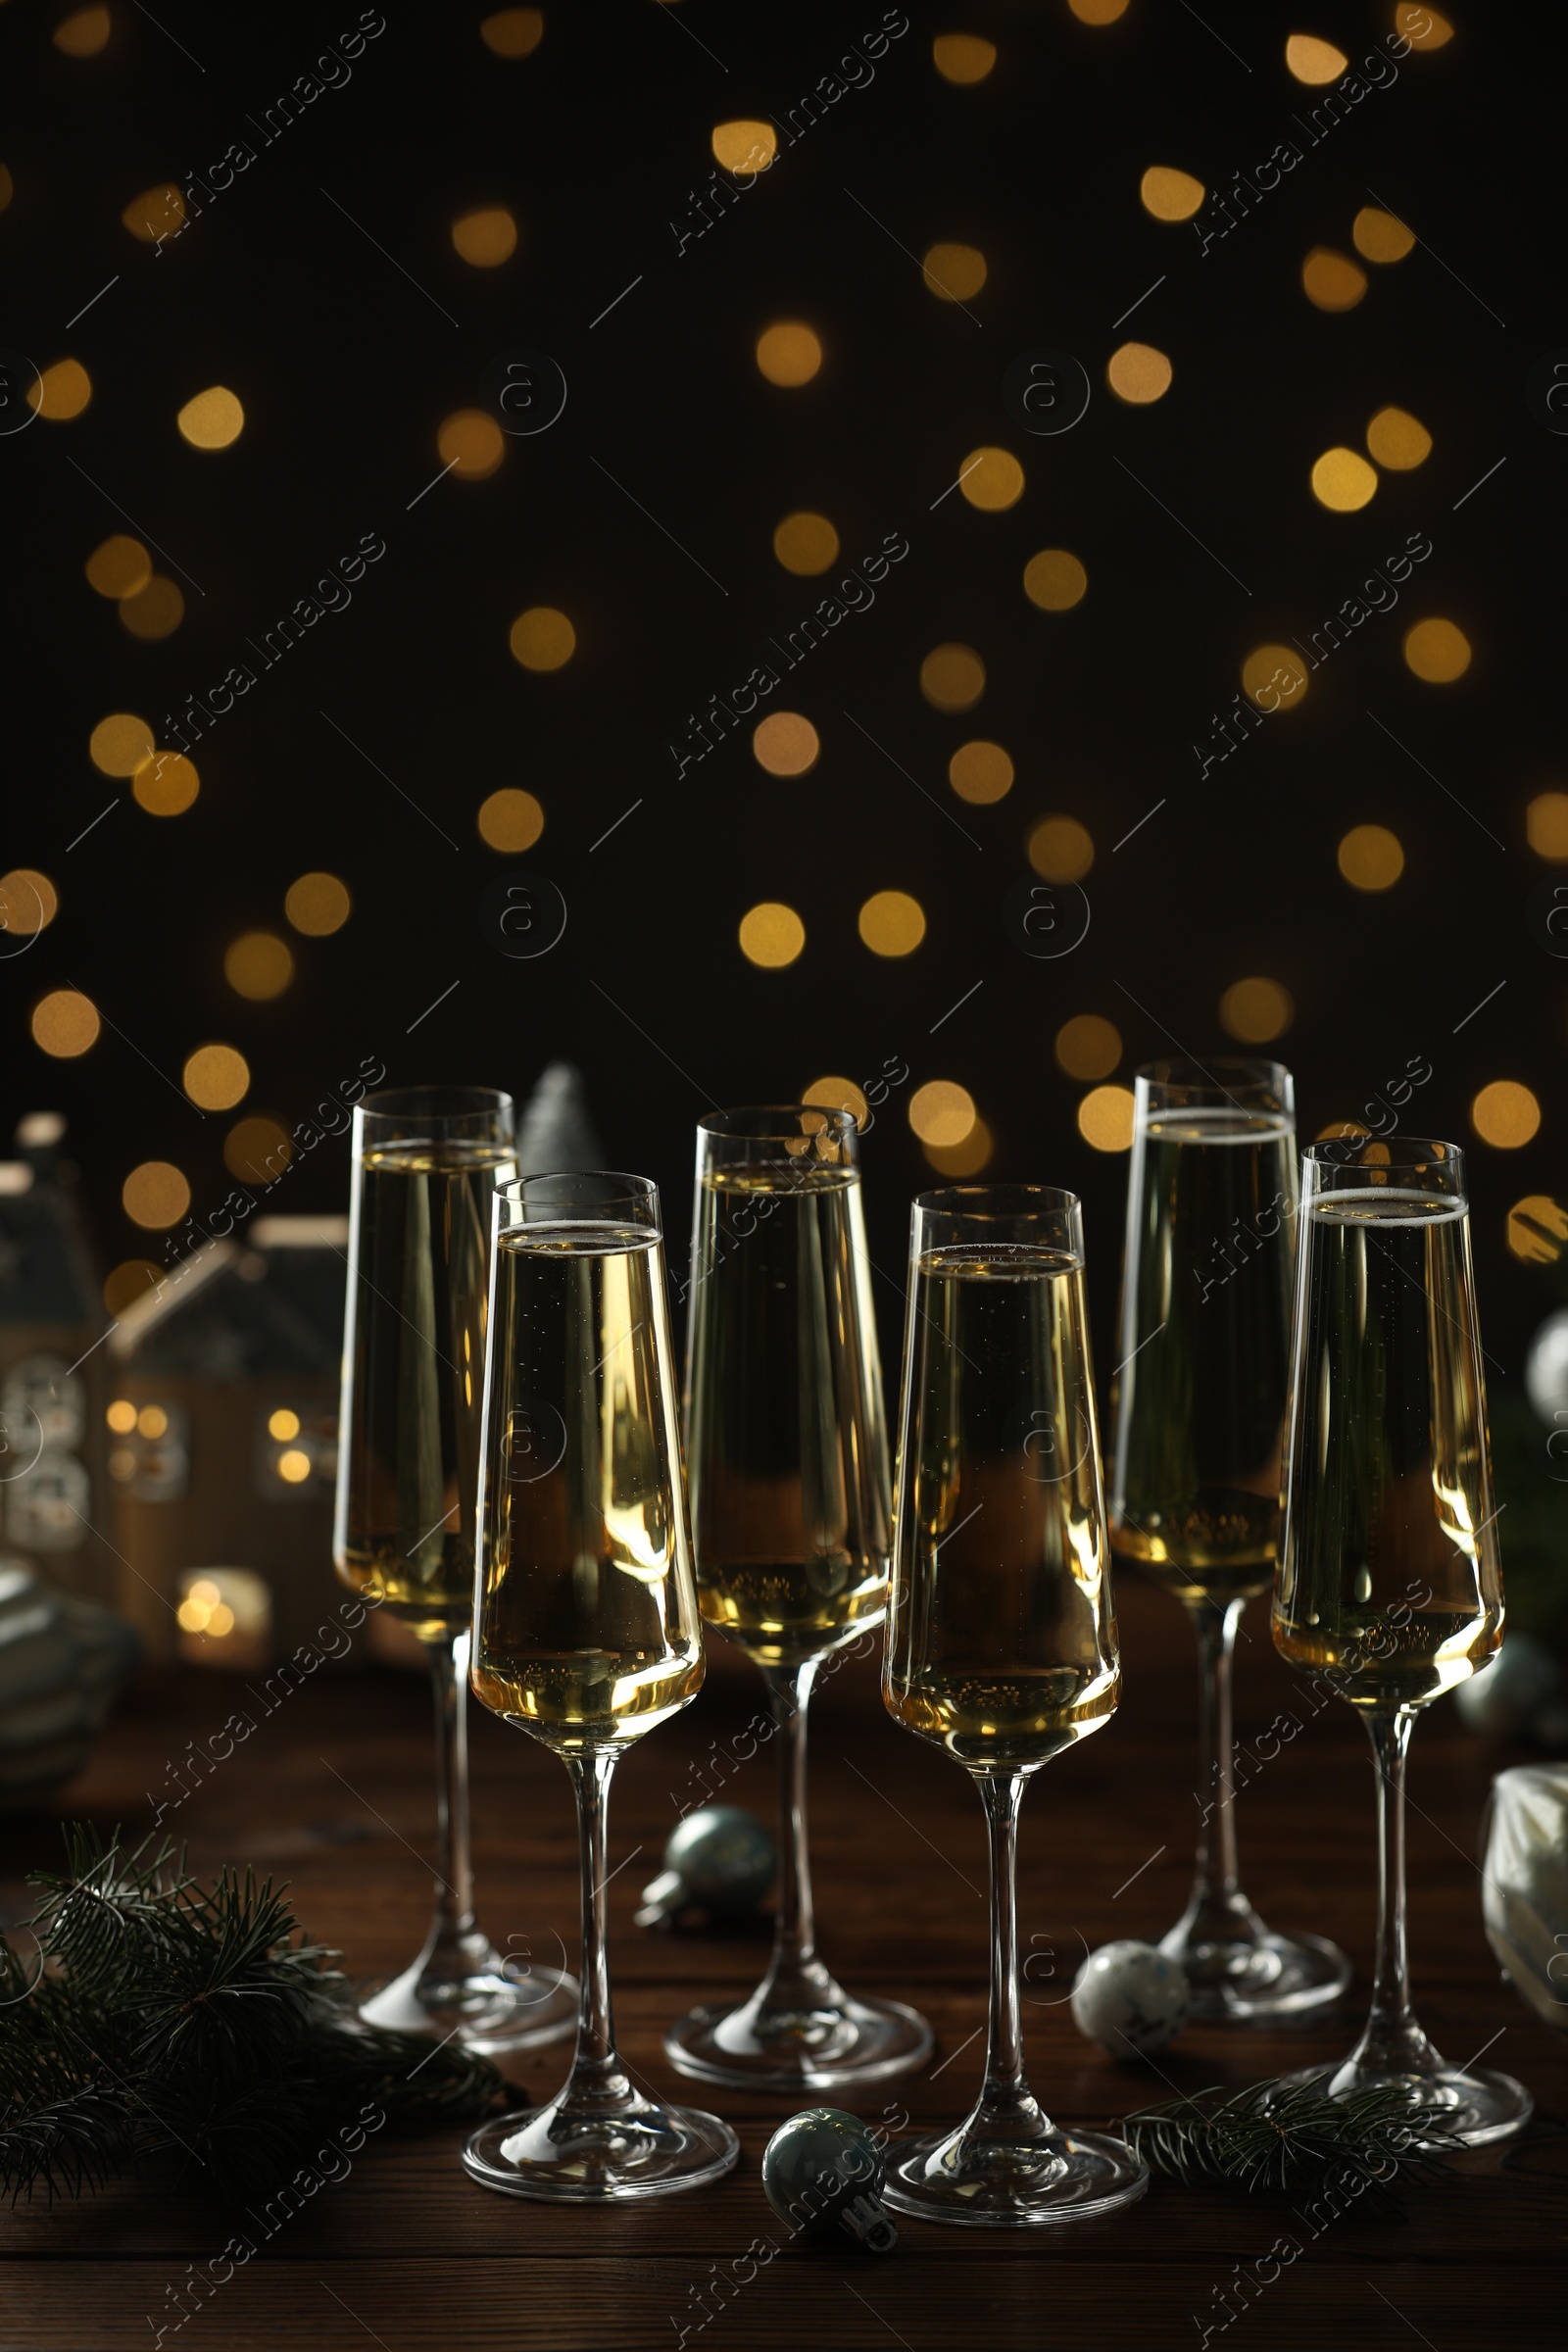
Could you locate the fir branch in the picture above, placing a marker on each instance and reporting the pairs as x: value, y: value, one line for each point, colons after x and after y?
x: 1289, y: 2137
x: 164, y: 2016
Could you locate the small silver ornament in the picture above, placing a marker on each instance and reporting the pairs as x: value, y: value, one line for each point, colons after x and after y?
x: 1130, y: 1999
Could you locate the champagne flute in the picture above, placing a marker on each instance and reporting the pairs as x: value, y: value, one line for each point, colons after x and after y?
x: 1001, y: 1637
x: 1198, y: 1404
x: 587, y: 1631
x: 787, y: 1458
x: 426, y: 1160
x: 1390, y: 1585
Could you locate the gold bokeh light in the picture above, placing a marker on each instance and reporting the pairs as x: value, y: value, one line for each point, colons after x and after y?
x: 283, y: 1424
x: 485, y: 238
x: 542, y: 638
x: 167, y: 784
x: 512, y: 31
x: 941, y: 1113
x: 257, y: 1150
x: 157, y: 212
x: 1169, y: 194
x: 155, y: 611
x: 990, y: 479
x: 155, y: 1195
x: 787, y: 354
x: 1422, y: 26
x: 1343, y: 481
x: 966, y: 1157
x: 1371, y: 857
x: 953, y: 677
x: 212, y: 420
x: 317, y: 904
x: 1547, y: 826
x: 744, y: 147
x: 28, y: 902
x: 1098, y: 11
x: 1312, y: 61
x: 1257, y: 1011
x: 954, y: 273
x: 1436, y: 651
x: 1060, y: 848
x: 1399, y: 440
x: 1331, y: 281
x: 963, y: 57
x: 1537, y: 1227
x: 771, y: 935
x: 1138, y: 374
x: 786, y: 744
x: 1088, y: 1046
x: 1505, y: 1115
x: 980, y: 773
x: 130, y: 1281
x: 1055, y: 579
x: 65, y: 1023
x: 838, y: 1094
x: 470, y: 443
x: 806, y: 543
x: 215, y: 1077
x: 118, y: 566
x: 1274, y: 677
x: 121, y: 742
x: 1377, y: 236
x: 61, y: 392
x: 511, y: 820
x: 892, y: 923
x: 83, y: 32
x: 257, y: 965
x: 1105, y: 1118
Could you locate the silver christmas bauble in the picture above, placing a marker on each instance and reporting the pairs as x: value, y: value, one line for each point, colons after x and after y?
x: 1130, y: 1999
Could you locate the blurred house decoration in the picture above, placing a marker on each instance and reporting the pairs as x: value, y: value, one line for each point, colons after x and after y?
x: 222, y: 1418
x: 52, y: 1369
x: 63, y: 1661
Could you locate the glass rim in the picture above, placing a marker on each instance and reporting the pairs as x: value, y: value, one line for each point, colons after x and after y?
x: 1004, y: 1201
x: 619, y: 1189
x: 1185, y: 1074
x: 728, y: 1123
x: 1417, y: 1155
x: 432, y: 1113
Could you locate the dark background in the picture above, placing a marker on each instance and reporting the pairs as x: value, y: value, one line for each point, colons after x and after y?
x: 346, y: 369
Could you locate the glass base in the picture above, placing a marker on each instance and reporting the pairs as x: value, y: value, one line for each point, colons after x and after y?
x: 461, y: 1987
x: 980, y: 2181
x: 1476, y: 2105
x: 1257, y: 1978
x: 823, y: 2042
x: 579, y: 2153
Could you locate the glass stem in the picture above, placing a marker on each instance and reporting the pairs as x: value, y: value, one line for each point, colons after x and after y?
x: 1392, y: 2041
x: 1006, y: 2103
x: 597, y: 2078
x: 789, y: 1692
x: 449, y: 1679
x: 1218, y: 1911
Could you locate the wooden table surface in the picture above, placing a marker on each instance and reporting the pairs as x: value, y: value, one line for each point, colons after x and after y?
x: 334, y: 1794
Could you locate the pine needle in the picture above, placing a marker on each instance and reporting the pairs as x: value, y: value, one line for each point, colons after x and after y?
x: 164, y: 2016
x: 1292, y: 2138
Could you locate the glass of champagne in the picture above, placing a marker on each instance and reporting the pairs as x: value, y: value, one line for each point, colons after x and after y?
x: 1390, y: 1586
x: 1001, y: 1637
x: 787, y: 1460
x: 1199, y: 1399
x: 587, y: 1631
x: 427, y: 1162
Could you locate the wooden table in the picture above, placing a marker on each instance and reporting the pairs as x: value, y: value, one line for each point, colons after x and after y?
x: 405, y: 2252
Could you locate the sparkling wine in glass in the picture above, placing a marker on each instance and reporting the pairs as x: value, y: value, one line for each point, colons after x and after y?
x: 426, y: 1163
x: 587, y: 1633
x: 1001, y: 1637
x: 1390, y: 1584
x: 787, y: 1460
x: 1199, y: 1402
